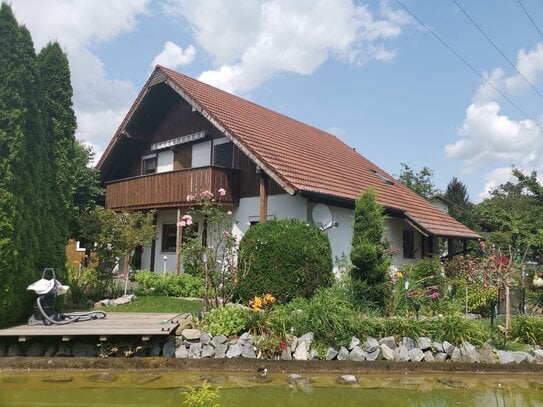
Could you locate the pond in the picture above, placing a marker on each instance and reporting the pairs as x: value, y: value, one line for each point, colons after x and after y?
x: 166, y: 388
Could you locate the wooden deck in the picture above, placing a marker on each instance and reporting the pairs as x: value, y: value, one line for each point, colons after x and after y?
x: 145, y: 325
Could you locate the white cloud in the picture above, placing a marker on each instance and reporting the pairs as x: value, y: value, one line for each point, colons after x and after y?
x: 251, y: 41
x: 487, y: 90
x: 99, y: 102
x: 490, y: 136
x: 494, y: 179
x: 530, y: 64
x: 173, y: 56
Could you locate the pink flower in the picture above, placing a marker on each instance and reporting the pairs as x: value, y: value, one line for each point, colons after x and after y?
x: 190, y: 197
x: 206, y: 194
x: 435, y: 295
x: 187, y: 219
x: 222, y: 192
x: 182, y: 223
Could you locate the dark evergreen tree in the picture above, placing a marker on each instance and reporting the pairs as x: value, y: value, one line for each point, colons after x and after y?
x: 21, y: 148
x: 61, y: 126
x: 460, y: 206
x: 370, y: 263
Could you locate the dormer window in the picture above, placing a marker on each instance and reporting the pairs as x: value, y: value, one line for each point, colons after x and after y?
x: 382, y: 177
x: 149, y: 164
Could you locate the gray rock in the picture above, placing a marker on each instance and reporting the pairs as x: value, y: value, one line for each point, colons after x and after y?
x: 248, y: 352
x: 429, y: 356
x: 155, y: 348
x: 219, y: 339
x: 347, y: 379
x: 313, y: 354
x: 438, y: 346
x: 538, y: 355
x: 469, y: 353
x: 354, y: 342
x: 401, y: 354
x: 246, y: 339
x: 36, y: 349
x: 448, y: 348
x: 181, y: 352
x: 521, y: 357
x: 82, y: 349
x: 296, y: 379
x: 371, y: 345
x: 103, y: 377
x: 343, y: 353
x: 388, y: 354
x: 504, y: 357
x: 191, y: 334
x: 63, y: 350
x: 456, y: 355
x: 234, y: 351
x: 293, y: 344
x: 146, y: 378
x: 424, y: 343
x: 50, y: 351
x: 120, y: 301
x: 486, y: 354
x: 357, y: 354
x: 220, y: 350
x: 168, y: 350
x: 371, y: 356
x: 307, y: 338
x: 301, y: 351
x: 195, y: 350
x: 440, y: 357
x: 409, y: 343
x: 331, y: 353
x: 389, y: 341
x: 286, y: 354
x: 206, y: 339
x: 416, y: 355
x: 208, y: 351
x: 15, y: 350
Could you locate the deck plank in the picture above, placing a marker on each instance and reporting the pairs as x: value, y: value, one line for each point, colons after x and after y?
x: 115, y: 324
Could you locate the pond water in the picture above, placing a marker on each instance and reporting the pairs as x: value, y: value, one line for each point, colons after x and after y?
x: 166, y: 388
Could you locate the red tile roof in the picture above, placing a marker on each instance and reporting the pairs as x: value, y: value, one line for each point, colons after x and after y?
x: 303, y: 158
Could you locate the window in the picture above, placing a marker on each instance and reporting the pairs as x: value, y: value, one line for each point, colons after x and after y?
x: 223, y: 154
x: 408, y: 244
x: 169, y: 237
x: 149, y: 165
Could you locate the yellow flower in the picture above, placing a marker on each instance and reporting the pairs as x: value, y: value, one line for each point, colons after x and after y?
x: 269, y: 299
x: 399, y: 275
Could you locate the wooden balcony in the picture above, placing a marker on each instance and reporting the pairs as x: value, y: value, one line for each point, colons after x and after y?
x: 170, y: 189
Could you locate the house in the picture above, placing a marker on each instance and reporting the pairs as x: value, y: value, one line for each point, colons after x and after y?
x: 181, y: 137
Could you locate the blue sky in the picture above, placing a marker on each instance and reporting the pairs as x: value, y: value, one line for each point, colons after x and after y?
x: 363, y: 70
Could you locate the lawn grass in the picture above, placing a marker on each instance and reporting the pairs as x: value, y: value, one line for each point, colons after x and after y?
x: 157, y: 304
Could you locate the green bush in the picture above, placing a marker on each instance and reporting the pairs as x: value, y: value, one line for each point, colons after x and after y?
x: 527, y: 329
x: 287, y: 258
x: 172, y: 285
x: 231, y: 319
x: 330, y: 317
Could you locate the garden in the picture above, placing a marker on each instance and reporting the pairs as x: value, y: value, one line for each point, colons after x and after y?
x: 279, y: 284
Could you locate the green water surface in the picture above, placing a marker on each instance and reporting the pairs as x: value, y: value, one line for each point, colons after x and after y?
x: 166, y: 388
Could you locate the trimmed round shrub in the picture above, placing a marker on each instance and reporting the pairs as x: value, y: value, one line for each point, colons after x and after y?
x: 286, y: 258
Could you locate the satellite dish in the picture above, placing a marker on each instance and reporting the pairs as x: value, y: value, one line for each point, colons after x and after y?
x: 322, y: 216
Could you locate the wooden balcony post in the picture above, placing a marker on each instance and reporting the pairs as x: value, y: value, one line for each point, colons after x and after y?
x: 179, y: 243
x: 263, y: 206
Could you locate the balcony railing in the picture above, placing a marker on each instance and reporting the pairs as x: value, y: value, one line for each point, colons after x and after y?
x: 170, y: 189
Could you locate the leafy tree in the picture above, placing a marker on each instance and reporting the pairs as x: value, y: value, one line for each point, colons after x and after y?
x: 515, y: 214
x: 421, y: 182
x: 460, y: 206
x: 115, y: 236
x: 370, y: 263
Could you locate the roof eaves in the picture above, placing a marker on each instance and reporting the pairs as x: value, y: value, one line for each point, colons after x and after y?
x: 287, y: 186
